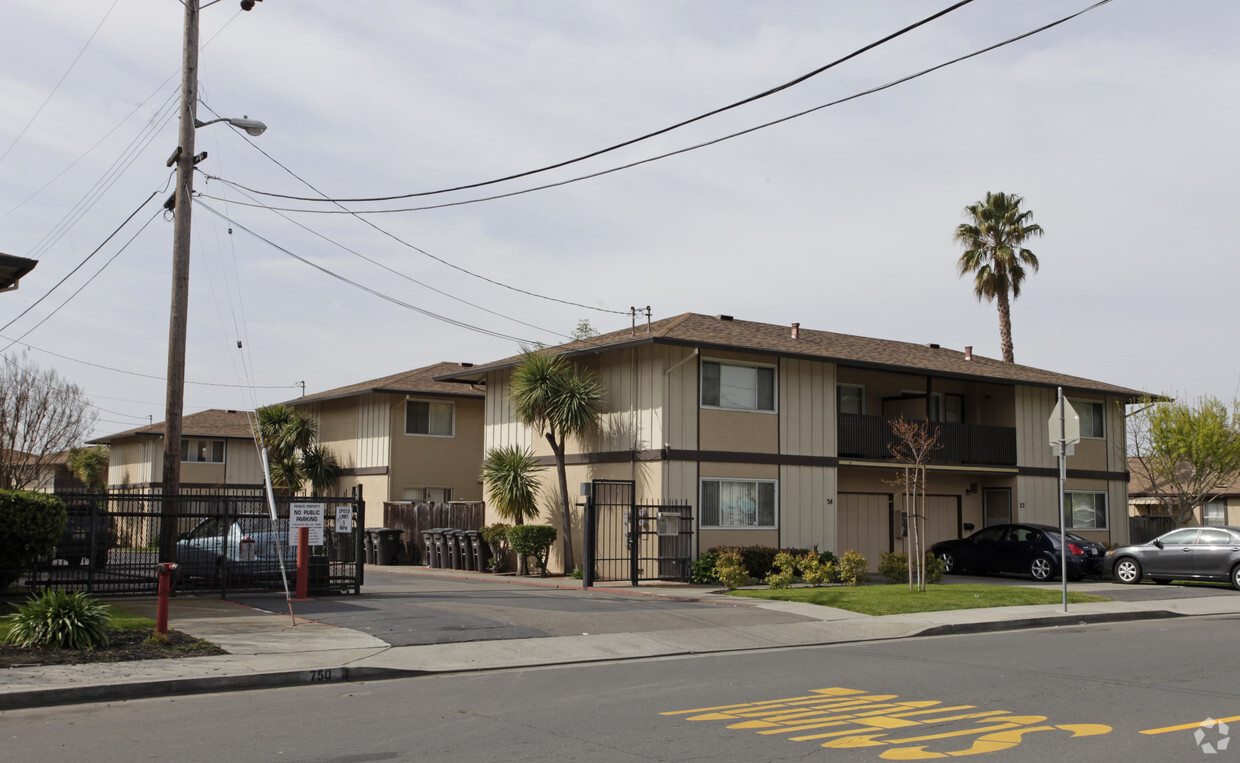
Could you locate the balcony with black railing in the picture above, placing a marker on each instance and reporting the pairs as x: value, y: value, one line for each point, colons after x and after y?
x: 967, y: 444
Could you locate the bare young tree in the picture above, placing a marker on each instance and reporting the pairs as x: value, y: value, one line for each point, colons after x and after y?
x: 41, y: 415
x: 912, y: 444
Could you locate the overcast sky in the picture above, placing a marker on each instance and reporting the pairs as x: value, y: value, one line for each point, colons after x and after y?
x: 1118, y: 128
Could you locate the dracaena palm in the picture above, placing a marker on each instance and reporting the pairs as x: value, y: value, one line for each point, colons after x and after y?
x: 293, y: 455
x: 510, y: 474
x: 993, y: 240
x: 559, y: 400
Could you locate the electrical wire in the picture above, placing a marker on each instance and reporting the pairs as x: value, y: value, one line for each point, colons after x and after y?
x: 367, y: 289
x: 686, y: 149
x: 404, y: 243
x: 647, y: 136
x: 59, y: 82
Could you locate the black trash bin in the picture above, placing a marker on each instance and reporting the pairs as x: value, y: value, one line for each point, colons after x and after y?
x: 468, y: 562
x: 454, y: 549
x: 429, y: 557
x: 387, y: 547
x: 441, y: 548
x: 476, y: 549
x: 371, y: 540
x: 320, y: 573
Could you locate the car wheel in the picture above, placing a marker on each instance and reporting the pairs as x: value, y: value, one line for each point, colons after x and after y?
x: 101, y: 559
x: 1041, y: 569
x: 1128, y: 570
x: 1235, y: 577
x: 950, y: 566
x: 73, y: 561
x: 1161, y: 581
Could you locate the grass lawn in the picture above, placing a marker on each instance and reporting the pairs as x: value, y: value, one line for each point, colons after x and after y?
x: 897, y: 599
x: 122, y: 620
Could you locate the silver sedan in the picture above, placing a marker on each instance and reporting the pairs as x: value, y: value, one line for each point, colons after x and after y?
x: 1189, y: 553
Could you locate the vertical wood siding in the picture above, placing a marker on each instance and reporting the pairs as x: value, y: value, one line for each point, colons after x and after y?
x: 374, y: 430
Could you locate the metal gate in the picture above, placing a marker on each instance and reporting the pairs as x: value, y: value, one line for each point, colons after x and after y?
x: 625, y: 539
x: 224, y: 542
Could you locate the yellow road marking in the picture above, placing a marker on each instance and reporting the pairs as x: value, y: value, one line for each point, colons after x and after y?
x: 1188, y: 726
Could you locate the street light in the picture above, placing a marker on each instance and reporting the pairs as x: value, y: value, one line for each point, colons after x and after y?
x: 179, y: 312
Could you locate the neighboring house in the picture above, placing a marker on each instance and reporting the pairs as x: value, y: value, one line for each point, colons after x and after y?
x: 217, y: 450
x: 12, y: 268
x: 777, y: 436
x: 55, y: 474
x: 404, y: 437
x: 1146, y: 501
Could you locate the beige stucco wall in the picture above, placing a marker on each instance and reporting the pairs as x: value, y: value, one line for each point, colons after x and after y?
x: 425, y: 461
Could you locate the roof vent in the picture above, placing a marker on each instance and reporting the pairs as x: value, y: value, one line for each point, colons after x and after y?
x: 467, y: 365
x: 932, y: 345
x: 723, y: 317
x: 796, y: 331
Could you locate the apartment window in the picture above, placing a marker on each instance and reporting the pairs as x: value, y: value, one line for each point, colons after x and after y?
x: 436, y: 494
x: 850, y: 398
x: 196, y: 451
x: 1085, y: 510
x: 738, y: 503
x: 738, y: 387
x: 1214, y: 513
x: 430, y: 418
x: 1091, y: 417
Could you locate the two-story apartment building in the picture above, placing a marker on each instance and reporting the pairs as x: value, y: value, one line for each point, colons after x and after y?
x: 217, y: 451
x: 778, y: 435
x: 404, y: 437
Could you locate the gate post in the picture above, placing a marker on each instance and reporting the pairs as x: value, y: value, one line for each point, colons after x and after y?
x: 635, y: 540
x: 587, y: 577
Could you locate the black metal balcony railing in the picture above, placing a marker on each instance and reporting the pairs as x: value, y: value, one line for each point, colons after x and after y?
x: 869, y: 436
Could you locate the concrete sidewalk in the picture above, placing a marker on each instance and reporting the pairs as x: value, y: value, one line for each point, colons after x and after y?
x: 476, y: 621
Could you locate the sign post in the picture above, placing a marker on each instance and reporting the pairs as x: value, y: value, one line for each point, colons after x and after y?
x: 1065, y: 429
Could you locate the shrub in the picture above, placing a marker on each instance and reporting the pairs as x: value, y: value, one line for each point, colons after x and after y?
x: 853, y: 568
x: 817, y: 569
x: 33, y: 524
x: 60, y: 620
x: 533, y: 540
x: 496, y: 538
x: 787, y: 564
x: 704, y: 568
x: 893, y: 566
x: 730, y: 569
x: 934, y: 568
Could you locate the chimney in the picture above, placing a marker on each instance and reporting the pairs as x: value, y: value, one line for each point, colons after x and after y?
x: 968, y: 352
x: 796, y: 331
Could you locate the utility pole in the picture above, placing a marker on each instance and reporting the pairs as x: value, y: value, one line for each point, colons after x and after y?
x: 179, y: 314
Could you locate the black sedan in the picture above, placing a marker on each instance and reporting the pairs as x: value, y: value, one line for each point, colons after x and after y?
x: 1021, y: 548
x: 1189, y: 553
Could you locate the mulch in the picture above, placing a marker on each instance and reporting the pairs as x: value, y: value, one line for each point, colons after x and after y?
x: 124, y: 645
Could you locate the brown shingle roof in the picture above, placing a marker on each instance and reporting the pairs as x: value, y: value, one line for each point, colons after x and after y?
x: 212, y: 423
x: 420, y: 381
x: 1139, y: 484
x: 707, y: 332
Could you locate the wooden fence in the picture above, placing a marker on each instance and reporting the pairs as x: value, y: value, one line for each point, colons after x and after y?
x: 1145, y: 529
x: 412, y: 518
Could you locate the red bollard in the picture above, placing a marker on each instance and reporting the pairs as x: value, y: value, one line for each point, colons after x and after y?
x: 303, y: 563
x: 165, y: 588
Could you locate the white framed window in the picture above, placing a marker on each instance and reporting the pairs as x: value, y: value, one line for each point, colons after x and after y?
x: 202, y: 451
x: 1214, y: 513
x: 1092, y: 418
x: 738, y: 386
x: 747, y: 504
x: 1085, y: 510
x: 850, y: 398
x: 430, y: 418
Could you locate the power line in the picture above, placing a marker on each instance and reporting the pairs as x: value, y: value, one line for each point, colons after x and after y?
x: 367, y: 289
x: 647, y: 136
x: 686, y: 149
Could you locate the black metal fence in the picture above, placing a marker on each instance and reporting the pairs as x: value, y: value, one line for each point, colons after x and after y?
x: 224, y: 542
x: 869, y: 437
x: 637, y: 541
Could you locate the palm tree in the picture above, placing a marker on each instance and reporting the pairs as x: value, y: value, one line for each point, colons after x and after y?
x: 90, y: 465
x: 510, y: 475
x: 558, y: 399
x: 993, y: 242
x: 293, y: 455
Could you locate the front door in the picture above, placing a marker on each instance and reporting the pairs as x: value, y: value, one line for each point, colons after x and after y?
x: 996, y: 506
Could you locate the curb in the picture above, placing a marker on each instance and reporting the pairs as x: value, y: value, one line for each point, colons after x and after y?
x: 1057, y: 621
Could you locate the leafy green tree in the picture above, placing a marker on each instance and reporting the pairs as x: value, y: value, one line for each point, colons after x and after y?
x: 293, y: 453
x: 1187, y: 453
x: 583, y: 331
x: 558, y: 399
x: 994, y: 252
x: 510, y: 475
x: 90, y: 465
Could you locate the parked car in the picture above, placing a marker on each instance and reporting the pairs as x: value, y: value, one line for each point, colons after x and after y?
x: 1019, y: 548
x: 89, y: 534
x: 1189, y: 553
x: 232, y: 548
